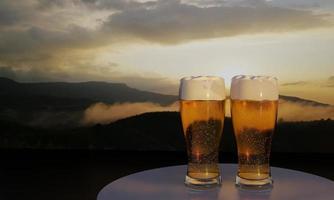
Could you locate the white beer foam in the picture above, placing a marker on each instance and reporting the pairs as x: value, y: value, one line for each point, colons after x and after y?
x: 202, y: 88
x: 255, y: 88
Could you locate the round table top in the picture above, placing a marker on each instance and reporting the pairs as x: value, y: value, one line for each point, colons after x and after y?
x: 168, y: 183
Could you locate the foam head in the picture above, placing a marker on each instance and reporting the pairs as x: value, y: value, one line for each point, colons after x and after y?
x: 202, y: 88
x: 255, y: 88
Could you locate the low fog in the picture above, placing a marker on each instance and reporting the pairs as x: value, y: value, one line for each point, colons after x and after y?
x: 293, y: 111
x: 288, y: 111
x: 103, y: 113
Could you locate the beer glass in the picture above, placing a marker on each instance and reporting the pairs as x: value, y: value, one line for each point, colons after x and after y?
x: 254, y: 103
x: 202, y: 109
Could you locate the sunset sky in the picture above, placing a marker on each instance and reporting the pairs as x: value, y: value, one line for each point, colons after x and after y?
x: 150, y: 45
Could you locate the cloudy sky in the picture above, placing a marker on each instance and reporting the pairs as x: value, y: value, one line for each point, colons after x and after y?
x: 150, y: 45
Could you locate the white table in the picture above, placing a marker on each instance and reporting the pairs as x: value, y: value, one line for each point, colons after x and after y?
x: 167, y: 184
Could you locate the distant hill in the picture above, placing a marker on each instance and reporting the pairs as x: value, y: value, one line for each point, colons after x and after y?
x: 163, y: 131
x: 92, y: 91
x: 89, y: 91
x: 63, y: 104
x: 60, y: 103
x: 47, y: 115
x: 303, y: 101
x: 159, y: 131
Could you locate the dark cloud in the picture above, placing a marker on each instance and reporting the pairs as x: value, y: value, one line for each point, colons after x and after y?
x: 35, y: 38
x: 122, y: 5
x: 172, y: 22
x: 304, y: 4
x: 12, y: 12
x: 295, y: 83
x: 17, y: 41
x: 50, y: 35
x: 96, y: 4
x: 330, y: 82
x: 7, y: 15
x: 40, y: 47
x: 47, y: 4
x: 32, y: 75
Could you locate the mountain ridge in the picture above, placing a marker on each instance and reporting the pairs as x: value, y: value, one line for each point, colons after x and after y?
x: 94, y: 90
x: 302, y: 100
x: 78, y: 90
x: 64, y: 104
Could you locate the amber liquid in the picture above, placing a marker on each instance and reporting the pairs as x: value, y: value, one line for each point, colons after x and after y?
x: 254, y: 123
x: 202, y: 122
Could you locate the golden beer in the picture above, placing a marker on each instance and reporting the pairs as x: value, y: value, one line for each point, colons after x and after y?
x: 254, y: 104
x: 203, y: 123
x: 202, y: 109
x: 254, y: 124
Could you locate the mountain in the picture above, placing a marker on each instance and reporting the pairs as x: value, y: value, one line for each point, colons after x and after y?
x: 163, y: 131
x: 89, y: 91
x: 47, y: 116
x: 63, y: 104
x: 12, y: 92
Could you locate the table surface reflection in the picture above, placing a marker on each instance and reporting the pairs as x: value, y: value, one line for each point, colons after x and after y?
x: 167, y: 183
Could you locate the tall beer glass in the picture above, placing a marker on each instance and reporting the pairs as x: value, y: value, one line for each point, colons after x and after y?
x: 254, y: 103
x: 202, y: 108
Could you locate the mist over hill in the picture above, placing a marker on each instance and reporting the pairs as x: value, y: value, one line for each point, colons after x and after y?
x: 62, y: 104
x: 49, y: 116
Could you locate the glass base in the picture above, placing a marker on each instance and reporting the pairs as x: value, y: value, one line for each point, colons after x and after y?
x: 202, y: 183
x: 264, y: 184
